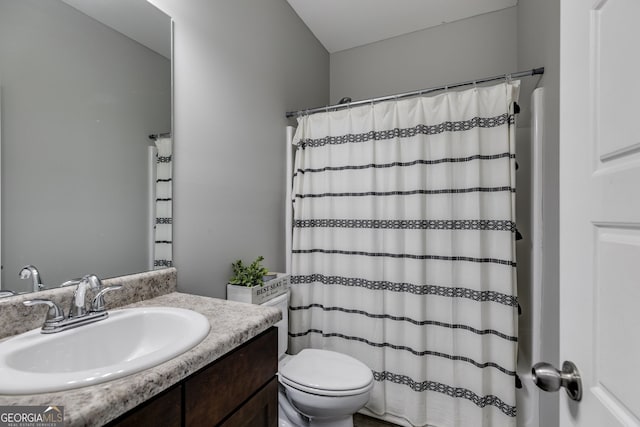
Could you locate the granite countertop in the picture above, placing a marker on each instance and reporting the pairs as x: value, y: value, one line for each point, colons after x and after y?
x: 232, y: 324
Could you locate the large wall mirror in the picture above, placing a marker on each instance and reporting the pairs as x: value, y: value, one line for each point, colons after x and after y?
x: 79, y: 101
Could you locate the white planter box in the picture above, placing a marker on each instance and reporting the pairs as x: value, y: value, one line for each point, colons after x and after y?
x: 259, y: 294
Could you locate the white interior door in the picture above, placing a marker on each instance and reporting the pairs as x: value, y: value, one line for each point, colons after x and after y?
x: 600, y: 209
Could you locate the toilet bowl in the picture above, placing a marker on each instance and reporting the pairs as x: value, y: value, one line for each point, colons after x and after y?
x: 324, y: 387
x: 318, y: 387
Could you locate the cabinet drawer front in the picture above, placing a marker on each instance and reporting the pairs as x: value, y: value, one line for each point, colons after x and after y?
x: 218, y: 390
x: 260, y: 411
x: 165, y: 410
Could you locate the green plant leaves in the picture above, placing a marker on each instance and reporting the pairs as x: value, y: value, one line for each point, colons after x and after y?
x: 248, y: 275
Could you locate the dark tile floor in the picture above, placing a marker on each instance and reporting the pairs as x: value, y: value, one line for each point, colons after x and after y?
x: 360, y: 420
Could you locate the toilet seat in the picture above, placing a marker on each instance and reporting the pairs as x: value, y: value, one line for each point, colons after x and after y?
x: 323, y: 392
x: 326, y: 373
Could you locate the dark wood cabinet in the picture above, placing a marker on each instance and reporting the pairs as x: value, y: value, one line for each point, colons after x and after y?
x: 232, y: 379
x: 239, y: 389
x: 166, y: 407
x: 261, y: 410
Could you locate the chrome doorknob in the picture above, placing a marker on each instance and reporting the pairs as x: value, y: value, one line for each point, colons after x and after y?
x: 548, y: 378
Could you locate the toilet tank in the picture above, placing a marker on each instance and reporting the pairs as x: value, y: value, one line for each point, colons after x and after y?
x: 281, y: 302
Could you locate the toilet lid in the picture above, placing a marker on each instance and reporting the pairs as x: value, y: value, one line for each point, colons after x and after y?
x: 326, y: 370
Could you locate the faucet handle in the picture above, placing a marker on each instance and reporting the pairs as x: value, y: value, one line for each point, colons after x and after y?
x: 55, y: 313
x: 91, y: 279
x: 72, y: 282
x: 94, y: 282
x: 97, y: 304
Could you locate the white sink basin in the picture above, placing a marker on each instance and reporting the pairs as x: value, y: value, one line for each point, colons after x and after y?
x: 128, y: 341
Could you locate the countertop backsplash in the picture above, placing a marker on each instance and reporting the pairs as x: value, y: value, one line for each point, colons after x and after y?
x: 16, y: 318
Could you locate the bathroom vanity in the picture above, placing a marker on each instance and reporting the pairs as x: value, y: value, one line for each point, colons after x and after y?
x: 239, y: 389
x: 228, y: 379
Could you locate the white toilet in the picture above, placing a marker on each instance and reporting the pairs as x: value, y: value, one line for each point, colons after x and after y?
x: 317, y: 387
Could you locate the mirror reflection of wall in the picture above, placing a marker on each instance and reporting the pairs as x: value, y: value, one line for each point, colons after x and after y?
x: 79, y: 100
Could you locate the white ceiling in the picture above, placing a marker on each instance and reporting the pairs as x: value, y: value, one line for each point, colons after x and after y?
x: 137, y: 19
x: 338, y: 24
x: 343, y: 24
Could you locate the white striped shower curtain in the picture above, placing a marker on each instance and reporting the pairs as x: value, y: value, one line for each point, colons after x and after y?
x: 403, y: 251
x: 163, y: 228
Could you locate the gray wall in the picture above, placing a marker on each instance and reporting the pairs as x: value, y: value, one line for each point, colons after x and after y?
x: 480, y: 46
x: 539, y: 44
x: 78, y: 101
x: 239, y: 66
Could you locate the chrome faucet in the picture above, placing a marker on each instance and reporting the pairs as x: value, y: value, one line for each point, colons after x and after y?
x: 30, y: 271
x: 79, y: 304
x: 78, y: 313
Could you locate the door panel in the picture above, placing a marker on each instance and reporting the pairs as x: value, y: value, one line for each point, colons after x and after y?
x: 617, y: 314
x: 600, y: 209
x: 612, y: 43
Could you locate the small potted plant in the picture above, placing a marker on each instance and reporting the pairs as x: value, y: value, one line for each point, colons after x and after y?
x: 254, y: 284
x: 251, y: 275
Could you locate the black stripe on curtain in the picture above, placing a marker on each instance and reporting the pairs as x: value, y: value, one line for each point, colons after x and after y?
x: 406, y: 164
x: 405, y: 348
x: 459, y: 392
x: 448, y: 126
x: 410, y: 192
x: 409, y: 224
x: 407, y: 319
x: 416, y: 289
x: 407, y: 256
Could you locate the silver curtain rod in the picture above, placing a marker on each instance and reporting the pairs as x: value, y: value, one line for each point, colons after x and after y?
x: 336, y: 107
